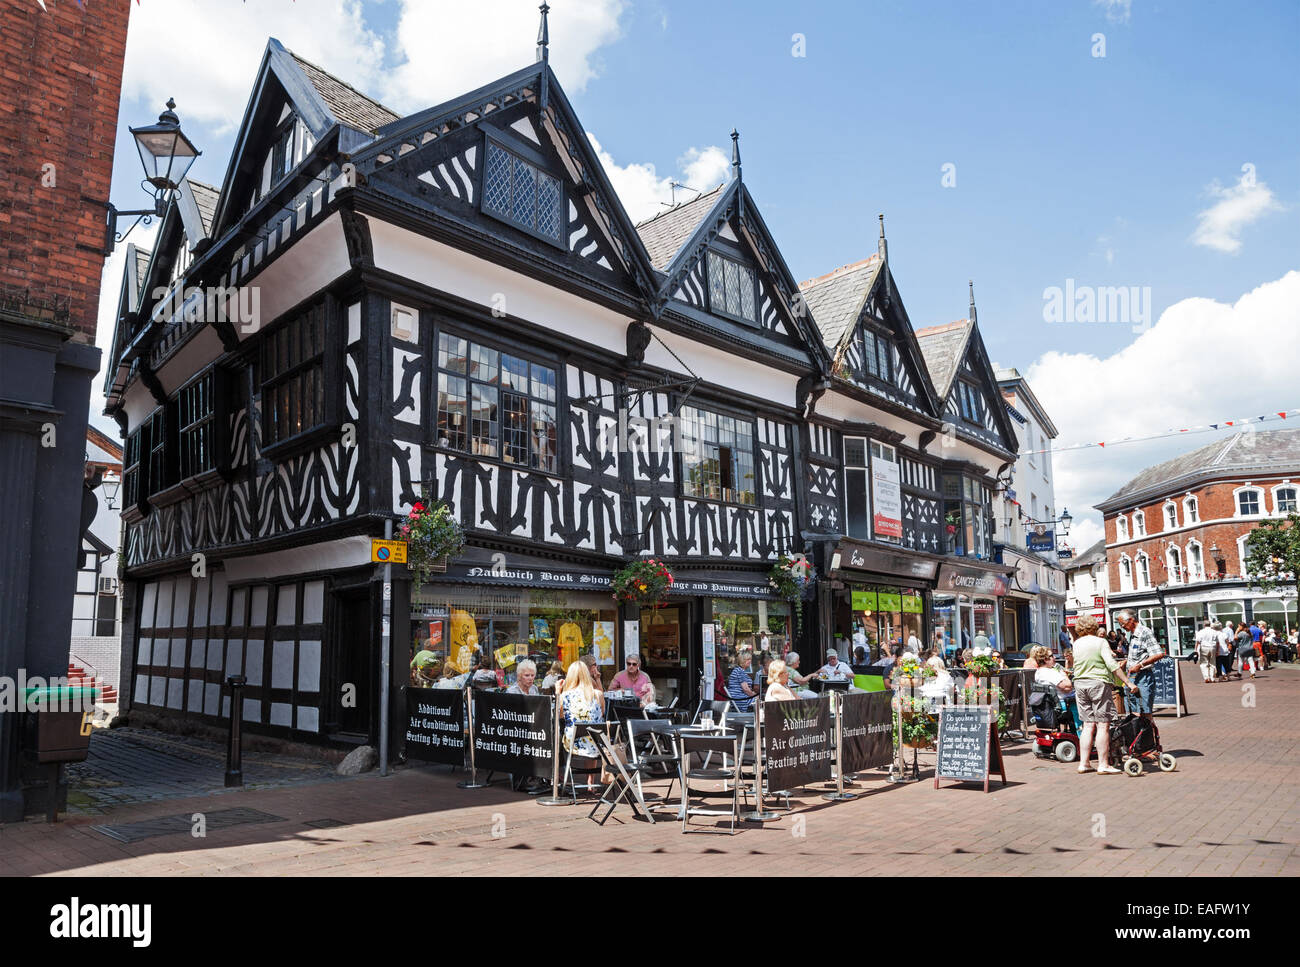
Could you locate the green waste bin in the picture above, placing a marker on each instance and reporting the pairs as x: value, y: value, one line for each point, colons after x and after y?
x: 58, y: 723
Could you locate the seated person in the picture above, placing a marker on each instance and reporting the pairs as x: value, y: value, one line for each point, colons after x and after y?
x: 740, y: 689
x: 554, y: 675
x: 797, y: 683
x: 593, y: 670
x: 859, y: 655
x: 632, y: 679
x: 835, y: 670
x: 1048, y: 673
x: 525, y: 675
x: 778, y: 683
x: 648, y: 701
x: 935, y: 661
x: 484, y: 677
x: 886, y: 663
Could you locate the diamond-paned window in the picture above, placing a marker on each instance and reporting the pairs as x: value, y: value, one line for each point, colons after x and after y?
x: 520, y: 193
x: 731, y: 288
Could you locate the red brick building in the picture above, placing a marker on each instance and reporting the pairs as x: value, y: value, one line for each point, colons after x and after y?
x: 1177, y: 535
x: 60, y: 84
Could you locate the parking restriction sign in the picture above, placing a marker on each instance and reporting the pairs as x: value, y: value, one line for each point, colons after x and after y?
x: 388, y: 552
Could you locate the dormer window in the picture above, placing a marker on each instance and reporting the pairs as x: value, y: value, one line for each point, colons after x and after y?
x: 732, y: 288
x: 521, y: 193
x: 876, y: 355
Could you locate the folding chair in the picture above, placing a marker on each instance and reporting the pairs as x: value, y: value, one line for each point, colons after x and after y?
x: 732, y: 745
x: 624, y: 787
x: 652, y: 748
x: 581, y: 764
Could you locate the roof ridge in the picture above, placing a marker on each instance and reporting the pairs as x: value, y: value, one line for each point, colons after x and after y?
x: 818, y: 280
x: 203, y: 184
x: 680, y: 205
x: 941, y: 327
x: 334, y: 77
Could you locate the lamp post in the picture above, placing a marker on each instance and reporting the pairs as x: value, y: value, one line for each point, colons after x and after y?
x: 110, y: 485
x: 166, y: 155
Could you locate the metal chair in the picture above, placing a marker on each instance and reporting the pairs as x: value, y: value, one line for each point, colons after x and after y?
x: 626, y: 784
x: 732, y: 745
x: 652, y: 748
x: 580, y: 763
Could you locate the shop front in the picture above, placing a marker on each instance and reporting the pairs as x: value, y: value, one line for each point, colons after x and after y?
x: 527, y: 608
x: 967, y: 602
x: 878, y: 600
x: 1175, y: 625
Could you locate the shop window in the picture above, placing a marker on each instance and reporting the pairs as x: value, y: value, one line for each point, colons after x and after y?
x: 968, y: 517
x: 884, y: 620
x: 857, y: 496
x: 731, y: 288
x: 717, y: 456
x: 494, y: 404
x: 754, y: 624
x: 293, y: 376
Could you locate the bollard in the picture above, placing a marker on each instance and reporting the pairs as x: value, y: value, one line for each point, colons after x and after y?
x: 234, y: 754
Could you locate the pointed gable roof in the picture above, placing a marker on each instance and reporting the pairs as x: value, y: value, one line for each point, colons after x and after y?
x: 348, y: 105
x: 944, y: 347
x: 205, y: 199
x: 835, y: 299
x: 666, y: 233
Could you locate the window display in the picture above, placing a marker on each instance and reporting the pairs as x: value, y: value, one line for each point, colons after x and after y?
x: 757, y: 625
x: 883, y: 618
x: 451, y: 626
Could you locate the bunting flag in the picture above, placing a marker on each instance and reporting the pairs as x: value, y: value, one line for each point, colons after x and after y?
x: 1173, y: 431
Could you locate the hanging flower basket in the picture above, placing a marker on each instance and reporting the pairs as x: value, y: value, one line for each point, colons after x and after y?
x: 432, y: 534
x: 794, y: 579
x: 645, y: 581
x: 982, y: 664
x: 911, y: 672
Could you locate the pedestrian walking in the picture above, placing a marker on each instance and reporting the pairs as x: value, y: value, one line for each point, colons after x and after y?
x: 1245, y: 650
x: 1207, y: 651
x: 1225, y: 650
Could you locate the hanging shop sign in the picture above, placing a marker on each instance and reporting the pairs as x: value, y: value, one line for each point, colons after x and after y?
x: 1041, y: 539
x: 969, y: 580
x: 887, y: 500
x: 862, y: 557
x: 722, y: 585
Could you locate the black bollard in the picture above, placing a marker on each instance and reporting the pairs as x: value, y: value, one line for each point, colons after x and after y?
x: 234, y: 754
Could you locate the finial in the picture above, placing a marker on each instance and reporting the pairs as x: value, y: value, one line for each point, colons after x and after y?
x: 882, y: 246
x: 735, y: 151
x: 169, y: 116
x: 972, y: 300
x: 543, y: 35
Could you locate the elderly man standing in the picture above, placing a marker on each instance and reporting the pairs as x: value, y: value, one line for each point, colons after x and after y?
x: 1095, y: 667
x: 1143, y: 652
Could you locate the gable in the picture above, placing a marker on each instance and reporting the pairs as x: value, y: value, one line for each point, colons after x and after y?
x: 974, y: 402
x: 440, y: 161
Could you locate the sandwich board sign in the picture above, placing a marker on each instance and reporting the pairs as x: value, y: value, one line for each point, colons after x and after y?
x: 1168, y: 691
x: 968, y: 747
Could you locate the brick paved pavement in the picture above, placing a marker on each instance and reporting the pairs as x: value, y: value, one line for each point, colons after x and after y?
x: 1233, y: 762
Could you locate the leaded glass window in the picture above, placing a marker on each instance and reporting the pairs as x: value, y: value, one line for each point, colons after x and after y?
x: 717, y: 456
x: 521, y: 193
x: 293, y: 376
x: 197, y: 425
x: 494, y: 404
x: 731, y: 288
x: 875, y: 355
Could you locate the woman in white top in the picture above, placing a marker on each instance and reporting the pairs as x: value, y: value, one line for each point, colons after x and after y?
x: 778, y: 683
x: 1048, y: 672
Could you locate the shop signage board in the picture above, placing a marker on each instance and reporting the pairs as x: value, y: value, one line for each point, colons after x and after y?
x: 798, y: 742
x: 529, y: 575
x: 890, y: 601
x: 863, y: 600
x: 388, y: 552
x: 514, y: 733
x: 969, y: 580
x: 867, y: 731
x: 968, y: 747
x: 710, y: 655
x: 1041, y: 539
x: 886, y: 499
x: 435, y: 725
x: 862, y: 557
x: 1168, y: 691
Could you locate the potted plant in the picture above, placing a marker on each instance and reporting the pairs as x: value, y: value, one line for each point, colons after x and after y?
x: 795, y: 579
x: 917, y: 728
x: 645, y: 582
x: 981, y: 663
x: 432, y: 534
x: 911, y: 672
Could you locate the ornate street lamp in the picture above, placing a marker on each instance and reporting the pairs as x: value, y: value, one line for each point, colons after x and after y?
x: 166, y: 155
x: 1219, y: 560
x: 111, y: 484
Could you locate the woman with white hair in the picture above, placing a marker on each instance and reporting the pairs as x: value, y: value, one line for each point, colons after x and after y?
x: 525, y: 676
x: 778, y: 683
x: 797, y: 681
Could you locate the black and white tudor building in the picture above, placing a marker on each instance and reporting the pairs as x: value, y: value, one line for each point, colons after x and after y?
x: 456, y: 301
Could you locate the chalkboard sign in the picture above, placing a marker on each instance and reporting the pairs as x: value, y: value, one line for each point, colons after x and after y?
x: 968, y: 745
x: 866, y: 732
x: 514, y: 733
x: 798, y: 742
x: 1168, y: 690
x: 435, y: 725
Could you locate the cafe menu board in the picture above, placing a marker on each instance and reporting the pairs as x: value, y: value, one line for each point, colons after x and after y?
x: 1168, y: 691
x: 968, y: 745
x: 435, y: 725
x: 514, y: 733
x: 798, y: 742
x: 867, y: 731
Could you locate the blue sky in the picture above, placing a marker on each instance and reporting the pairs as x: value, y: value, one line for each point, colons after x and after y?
x: 1067, y: 165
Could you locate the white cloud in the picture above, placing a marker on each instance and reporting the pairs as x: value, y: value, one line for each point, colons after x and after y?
x: 1202, y: 362
x: 1220, y: 226
x: 1117, y: 11
x: 213, y: 86
x: 446, y: 49
x: 644, y: 192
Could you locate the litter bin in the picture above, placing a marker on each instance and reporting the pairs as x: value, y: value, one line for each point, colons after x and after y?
x: 56, y: 730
